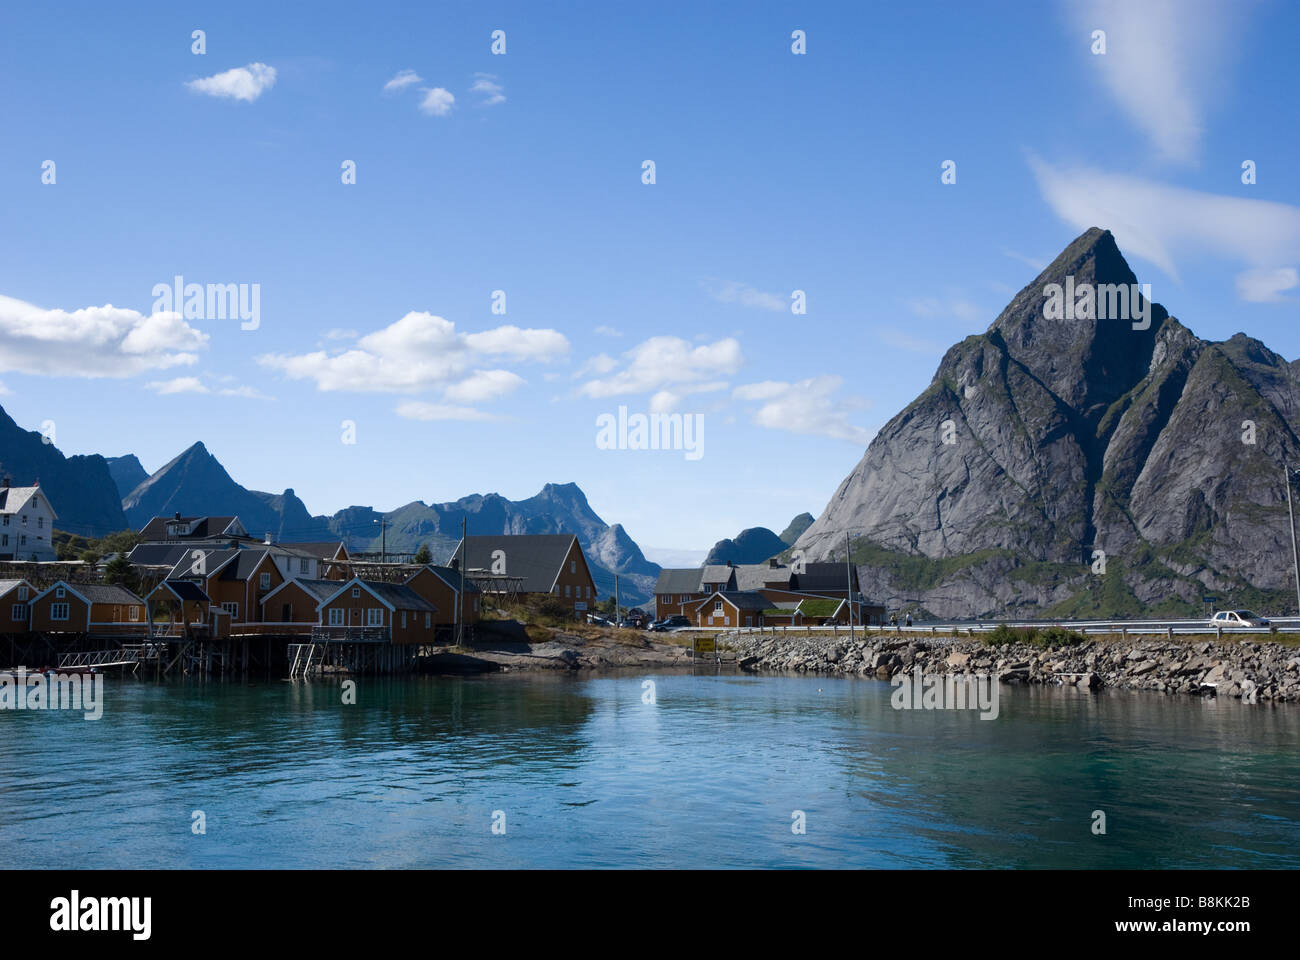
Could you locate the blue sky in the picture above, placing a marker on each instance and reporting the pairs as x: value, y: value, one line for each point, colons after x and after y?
x: 522, y: 172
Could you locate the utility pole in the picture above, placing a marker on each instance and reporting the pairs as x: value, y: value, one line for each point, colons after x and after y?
x: 1295, y: 556
x: 383, y: 539
x: 460, y: 595
x: 848, y: 580
x: 617, y: 618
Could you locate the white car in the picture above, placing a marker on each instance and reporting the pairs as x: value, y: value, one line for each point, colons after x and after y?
x: 1238, y: 618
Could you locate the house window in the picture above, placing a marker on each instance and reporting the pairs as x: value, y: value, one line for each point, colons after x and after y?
x: 428, y: 620
x: 22, y: 539
x: 336, y: 616
x: 19, y: 612
x: 356, y: 593
x: 58, y: 591
x: 24, y: 519
x: 232, y: 608
x: 22, y: 593
x: 717, y: 606
x: 264, y: 581
x: 135, y: 613
x: 403, y: 619
x: 59, y: 611
x: 566, y: 589
x: 302, y: 564
x: 4, y: 540
x: 6, y: 520
x: 40, y: 523
x: 374, y: 617
x: 573, y: 566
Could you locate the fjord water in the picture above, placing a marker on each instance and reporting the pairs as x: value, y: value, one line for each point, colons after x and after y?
x: 588, y: 775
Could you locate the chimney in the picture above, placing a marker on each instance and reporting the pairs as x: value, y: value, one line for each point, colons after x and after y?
x: 268, y: 540
x: 6, y: 486
x: 455, y: 563
x: 178, y: 515
x: 772, y: 563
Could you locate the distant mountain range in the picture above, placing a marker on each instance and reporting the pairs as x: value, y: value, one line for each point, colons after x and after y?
x: 756, y: 544
x: 97, y: 495
x: 1075, y: 467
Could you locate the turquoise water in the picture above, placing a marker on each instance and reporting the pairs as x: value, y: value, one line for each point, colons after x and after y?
x: 587, y: 775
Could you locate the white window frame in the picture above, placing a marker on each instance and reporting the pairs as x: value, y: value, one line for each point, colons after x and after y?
x: 22, y: 593
x: 336, y: 617
x: 59, y: 591
x: 403, y: 619
x: 374, y: 616
x: 428, y: 620
x: 60, y: 611
x: 356, y: 593
x: 18, y: 612
x: 264, y: 581
x: 231, y: 607
x: 135, y: 613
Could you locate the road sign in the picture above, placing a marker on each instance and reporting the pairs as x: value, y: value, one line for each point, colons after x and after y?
x: 705, y: 645
x: 579, y: 606
x: 1209, y: 599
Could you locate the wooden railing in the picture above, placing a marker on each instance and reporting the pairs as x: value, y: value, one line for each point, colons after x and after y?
x: 350, y: 634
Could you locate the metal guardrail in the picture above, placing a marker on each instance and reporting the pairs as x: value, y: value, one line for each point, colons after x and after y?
x: 1098, y: 627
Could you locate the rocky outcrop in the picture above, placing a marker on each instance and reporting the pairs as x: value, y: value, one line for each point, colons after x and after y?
x: 1045, y: 444
x: 127, y: 473
x: 750, y: 546
x: 80, y: 488
x: 1250, y: 670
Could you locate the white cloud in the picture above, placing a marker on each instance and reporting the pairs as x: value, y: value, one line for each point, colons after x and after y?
x: 437, y: 102
x: 484, y: 385
x: 746, y: 296
x: 665, y: 361
x: 418, y: 410
x: 606, y: 331
x: 249, y: 393
x: 5, y: 391
x: 490, y: 86
x: 1161, y: 58
x: 93, y: 341
x: 1266, y: 286
x: 1160, y: 223
x: 402, y: 79
x: 420, y: 352
x: 599, y: 364
x: 807, y: 407
x: 178, y: 385
x: 242, y: 83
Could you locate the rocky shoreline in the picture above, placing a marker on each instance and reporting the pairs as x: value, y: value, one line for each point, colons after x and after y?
x: 1251, y: 670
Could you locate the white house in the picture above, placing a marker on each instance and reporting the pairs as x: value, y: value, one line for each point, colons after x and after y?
x: 26, y: 523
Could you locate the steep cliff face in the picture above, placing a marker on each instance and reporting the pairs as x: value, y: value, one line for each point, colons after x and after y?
x: 80, y: 488
x: 1045, y: 440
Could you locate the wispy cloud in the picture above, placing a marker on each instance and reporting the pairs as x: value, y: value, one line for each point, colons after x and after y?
x: 1161, y: 223
x: 745, y: 295
x: 419, y: 410
x: 177, y: 385
x: 1161, y: 58
x: 665, y: 362
x: 401, y: 80
x: 490, y: 89
x: 807, y: 407
x: 606, y: 331
x: 242, y: 83
x: 437, y: 102
x: 423, y: 352
x: 1267, y: 286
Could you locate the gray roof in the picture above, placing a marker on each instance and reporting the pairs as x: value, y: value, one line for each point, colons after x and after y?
x: 746, y: 599
x: 201, y: 528
x: 537, y: 557
x: 186, y: 590
x: 755, y: 576
x: 320, y: 589
x: 158, y: 554
x: 678, y: 580
x: 245, y: 562
x: 824, y: 576
x: 716, y: 573
x: 7, y: 585
x: 448, y: 576
x: 398, y: 595
x: 102, y: 592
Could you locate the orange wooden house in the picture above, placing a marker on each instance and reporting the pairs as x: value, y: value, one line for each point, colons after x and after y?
x: 98, y: 608
x: 367, y: 611
x: 15, y: 609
